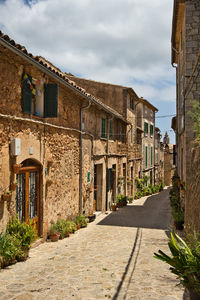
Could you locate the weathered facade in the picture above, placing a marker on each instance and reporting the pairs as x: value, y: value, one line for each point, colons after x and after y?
x: 43, y: 144
x: 146, y: 126
x: 186, y: 59
x: 159, y: 157
x: 124, y: 100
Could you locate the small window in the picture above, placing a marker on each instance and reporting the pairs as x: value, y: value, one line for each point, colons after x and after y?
x: 111, y: 129
x: 103, y: 128
x: 38, y: 98
x: 131, y: 103
x: 151, y: 130
x: 146, y: 129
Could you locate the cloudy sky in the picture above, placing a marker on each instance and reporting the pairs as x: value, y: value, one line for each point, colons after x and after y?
x: 125, y: 42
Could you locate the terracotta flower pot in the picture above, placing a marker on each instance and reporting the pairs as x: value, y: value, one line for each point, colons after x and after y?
x: 113, y: 207
x: 54, y: 237
x: 67, y: 234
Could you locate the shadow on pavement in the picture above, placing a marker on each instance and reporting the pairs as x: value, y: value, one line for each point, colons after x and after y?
x: 137, y: 242
x: 155, y: 213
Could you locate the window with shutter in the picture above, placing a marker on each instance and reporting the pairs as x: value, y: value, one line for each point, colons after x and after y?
x: 131, y: 103
x: 27, y: 95
x: 39, y: 99
x: 151, y: 156
x: 103, y: 128
x: 51, y: 100
x: 151, y: 130
x: 146, y: 156
x: 146, y: 128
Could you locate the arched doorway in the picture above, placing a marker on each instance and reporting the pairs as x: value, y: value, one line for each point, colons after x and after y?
x: 28, y: 192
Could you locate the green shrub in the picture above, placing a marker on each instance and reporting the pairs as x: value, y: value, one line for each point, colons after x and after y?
x: 80, y: 219
x: 9, y: 248
x: 71, y: 226
x: 24, y: 232
x: 178, y: 215
x: 138, y: 195
x: 61, y: 227
x: 121, y: 199
x: 184, y: 261
x: 130, y: 199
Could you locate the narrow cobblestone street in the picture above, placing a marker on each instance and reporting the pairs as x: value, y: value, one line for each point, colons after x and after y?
x: 111, y: 259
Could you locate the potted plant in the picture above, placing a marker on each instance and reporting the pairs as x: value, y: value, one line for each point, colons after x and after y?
x: 6, y: 195
x: 113, y: 206
x: 16, y: 168
x: 119, y: 201
x: 13, y: 185
x: 184, y: 262
x: 54, y: 235
x: 81, y: 221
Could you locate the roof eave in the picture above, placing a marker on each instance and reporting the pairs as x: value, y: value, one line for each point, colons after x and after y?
x: 31, y: 60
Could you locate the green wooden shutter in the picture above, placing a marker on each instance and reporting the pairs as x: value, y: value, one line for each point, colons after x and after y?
x: 131, y: 103
x: 146, y: 129
x: 151, y: 130
x: 103, y: 127
x: 51, y: 100
x: 151, y: 156
x: 146, y: 156
x: 27, y: 96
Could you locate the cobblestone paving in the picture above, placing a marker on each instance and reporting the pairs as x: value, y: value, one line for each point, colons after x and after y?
x: 110, y: 259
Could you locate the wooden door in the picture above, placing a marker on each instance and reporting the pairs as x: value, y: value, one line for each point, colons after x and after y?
x: 27, y: 194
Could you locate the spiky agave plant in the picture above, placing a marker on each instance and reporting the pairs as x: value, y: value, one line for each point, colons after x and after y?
x: 184, y: 262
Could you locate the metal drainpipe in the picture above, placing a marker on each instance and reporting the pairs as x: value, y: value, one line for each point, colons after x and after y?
x: 107, y: 153
x: 136, y: 139
x: 81, y: 156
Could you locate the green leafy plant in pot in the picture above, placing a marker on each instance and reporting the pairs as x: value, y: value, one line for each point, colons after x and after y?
x: 184, y: 262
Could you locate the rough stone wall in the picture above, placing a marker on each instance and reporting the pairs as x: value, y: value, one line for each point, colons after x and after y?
x: 112, y: 95
x: 168, y: 165
x: 149, y: 117
x: 61, y: 198
x: 192, y: 36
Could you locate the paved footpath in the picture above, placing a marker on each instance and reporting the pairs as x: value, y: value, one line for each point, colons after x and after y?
x: 110, y: 259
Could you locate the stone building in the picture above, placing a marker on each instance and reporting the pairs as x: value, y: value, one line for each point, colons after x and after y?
x: 146, y: 126
x: 124, y: 100
x: 159, y: 157
x: 53, y: 138
x: 186, y: 60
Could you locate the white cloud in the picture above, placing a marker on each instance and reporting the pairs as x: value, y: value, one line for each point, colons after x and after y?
x: 121, y: 41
